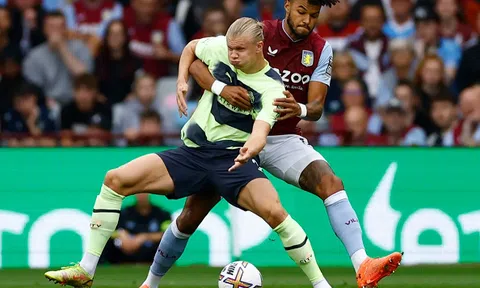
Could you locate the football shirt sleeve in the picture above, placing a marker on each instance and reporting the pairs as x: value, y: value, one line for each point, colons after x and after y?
x: 267, y: 112
x: 323, y: 72
x: 212, y: 50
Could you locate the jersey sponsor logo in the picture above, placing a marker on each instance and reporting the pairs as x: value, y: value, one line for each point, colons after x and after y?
x: 295, y: 78
x: 232, y: 108
x: 272, y: 52
x: 307, y: 58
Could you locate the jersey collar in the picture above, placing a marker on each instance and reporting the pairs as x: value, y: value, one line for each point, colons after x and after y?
x: 285, y: 31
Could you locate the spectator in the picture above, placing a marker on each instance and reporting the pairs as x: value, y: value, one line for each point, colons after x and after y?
x: 155, y: 36
x: 401, y: 25
x: 139, y: 231
x: 450, y: 25
x: 85, y: 121
x: 343, y: 69
x: 430, y: 80
x: 11, y: 77
x: 402, y: 56
x: 150, y: 132
x: 128, y: 116
x: 28, y: 18
x: 356, y: 120
x: 52, y: 65
x: 10, y: 59
x: 116, y: 66
x: 444, y: 115
x: 28, y: 120
x: 469, y: 68
x: 214, y: 23
x: 428, y: 41
x: 406, y: 93
x: 188, y: 14
x: 264, y: 10
x: 338, y: 25
x: 399, y: 131
x: 88, y: 19
x: 369, y: 48
x: 234, y: 9
x: 470, y: 109
x: 354, y: 94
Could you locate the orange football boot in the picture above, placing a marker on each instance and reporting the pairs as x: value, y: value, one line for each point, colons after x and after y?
x: 372, y: 270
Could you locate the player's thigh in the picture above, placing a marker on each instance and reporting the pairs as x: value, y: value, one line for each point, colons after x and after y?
x: 249, y: 189
x: 145, y: 174
x: 196, y: 208
x: 287, y: 156
x: 260, y: 197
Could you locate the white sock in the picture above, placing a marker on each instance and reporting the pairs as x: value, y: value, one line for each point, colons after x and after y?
x: 358, y: 258
x: 89, y: 263
x: 321, y: 284
x: 152, y: 280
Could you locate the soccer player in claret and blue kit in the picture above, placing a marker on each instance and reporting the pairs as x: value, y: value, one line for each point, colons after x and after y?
x: 303, y: 60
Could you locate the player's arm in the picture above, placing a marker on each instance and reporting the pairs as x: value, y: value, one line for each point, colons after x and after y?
x: 254, y: 144
x: 235, y: 95
x: 186, y: 59
x: 317, y: 92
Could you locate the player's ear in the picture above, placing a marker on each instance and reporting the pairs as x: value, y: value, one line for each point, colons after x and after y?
x: 287, y: 5
x: 260, y: 47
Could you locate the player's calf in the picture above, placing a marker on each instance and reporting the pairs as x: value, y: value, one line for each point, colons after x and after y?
x: 260, y: 198
x: 319, y: 179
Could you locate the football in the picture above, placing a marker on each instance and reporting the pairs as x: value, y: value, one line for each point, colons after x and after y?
x: 240, y: 274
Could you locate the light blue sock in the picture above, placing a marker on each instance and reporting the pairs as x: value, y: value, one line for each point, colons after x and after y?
x: 345, y: 224
x: 169, y: 250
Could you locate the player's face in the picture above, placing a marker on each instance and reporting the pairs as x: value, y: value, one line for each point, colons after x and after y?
x: 301, y: 17
x: 443, y: 114
x: 243, y: 51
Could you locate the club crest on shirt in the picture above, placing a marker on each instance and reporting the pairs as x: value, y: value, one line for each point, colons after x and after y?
x: 307, y: 58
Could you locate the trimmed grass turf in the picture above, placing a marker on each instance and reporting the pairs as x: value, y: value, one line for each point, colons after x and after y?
x: 456, y: 276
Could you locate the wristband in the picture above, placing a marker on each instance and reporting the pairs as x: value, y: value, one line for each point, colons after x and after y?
x: 217, y: 87
x: 303, y: 109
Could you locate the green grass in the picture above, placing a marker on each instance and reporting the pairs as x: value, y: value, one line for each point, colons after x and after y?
x: 189, y: 277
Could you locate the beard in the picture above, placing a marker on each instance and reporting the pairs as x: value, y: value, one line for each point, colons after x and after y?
x: 292, y: 28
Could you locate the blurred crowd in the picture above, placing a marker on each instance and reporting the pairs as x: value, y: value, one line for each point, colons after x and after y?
x: 102, y: 72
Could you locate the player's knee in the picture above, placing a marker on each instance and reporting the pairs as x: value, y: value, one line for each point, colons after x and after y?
x: 329, y: 185
x: 276, y: 215
x: 115, y: 181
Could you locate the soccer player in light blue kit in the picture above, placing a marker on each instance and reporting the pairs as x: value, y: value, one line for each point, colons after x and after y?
x: 218, y: 155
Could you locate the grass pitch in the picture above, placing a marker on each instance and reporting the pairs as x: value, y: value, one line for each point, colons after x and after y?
x: 456, y: 276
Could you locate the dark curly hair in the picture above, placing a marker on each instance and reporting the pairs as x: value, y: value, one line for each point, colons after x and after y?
x: 328, y: 3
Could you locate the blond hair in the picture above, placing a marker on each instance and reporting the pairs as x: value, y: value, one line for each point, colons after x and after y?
x: 246, y: 26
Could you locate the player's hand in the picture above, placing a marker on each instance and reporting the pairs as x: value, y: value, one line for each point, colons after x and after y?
x: 182, y: 89
x: 287, y: 107
x: 241, y: 159
x: 237, y: 96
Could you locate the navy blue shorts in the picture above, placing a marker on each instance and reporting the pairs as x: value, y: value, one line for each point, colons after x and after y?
x: 198, y: 170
